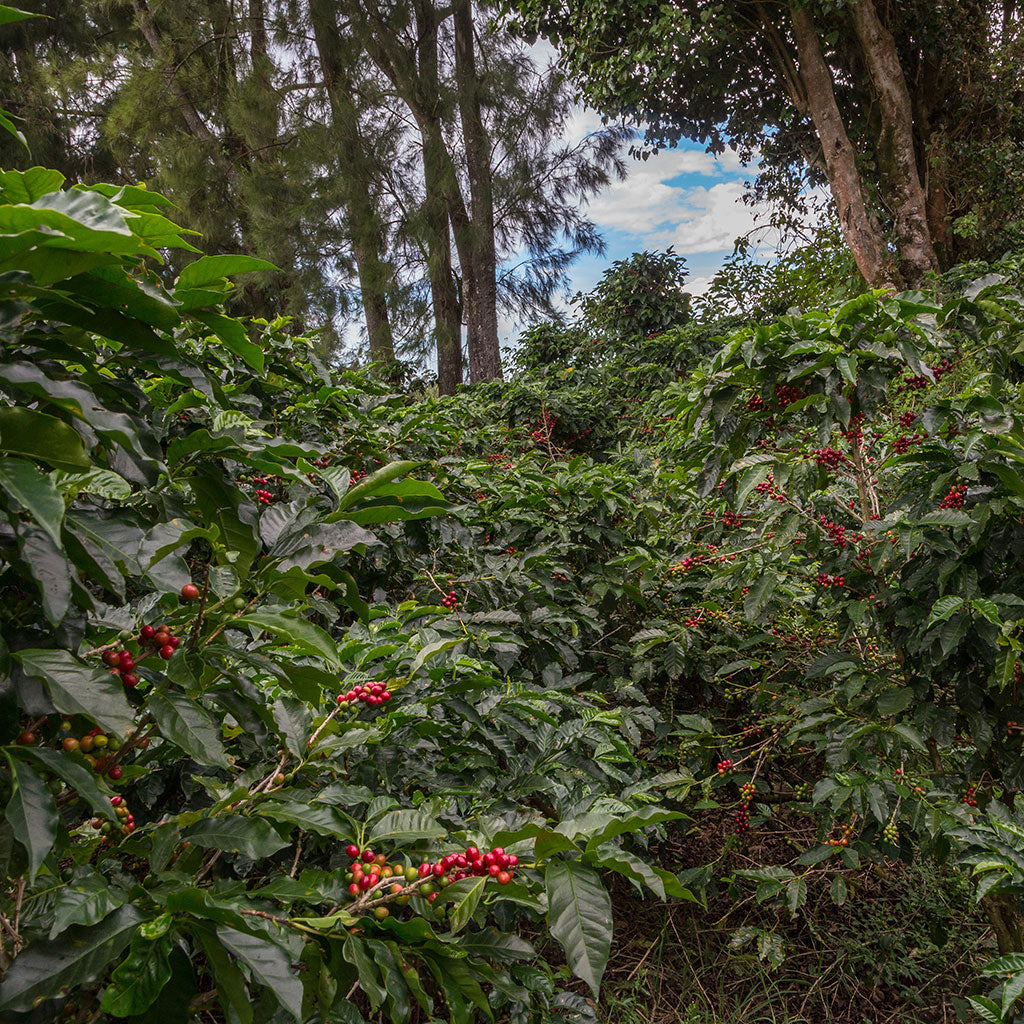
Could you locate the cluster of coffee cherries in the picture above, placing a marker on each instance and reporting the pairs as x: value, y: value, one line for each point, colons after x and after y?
x: 724, y: 767
x: 372, y: 694
x: 126, y: 817
x: 891, y: 833
x: 824, y: 580
x: 368, y: 869
x: 954, y: 497
x: 263, y: 496
x: 903, y: 443
x: 121, y: 663
x: 828, y: 457
x: 494, y: 863
x: 844, y: 838
x: 95, y: 746
x: 451, y: 601
x: 747, y: 791
x: 160, y: 639
x: 802, y: 791
x: 970, y: 796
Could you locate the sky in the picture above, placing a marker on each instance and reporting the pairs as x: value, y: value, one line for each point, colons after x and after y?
x: 681, y: 197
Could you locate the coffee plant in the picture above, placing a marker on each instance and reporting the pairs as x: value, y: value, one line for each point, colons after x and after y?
x: 323, y: 700
x: 237, y: 652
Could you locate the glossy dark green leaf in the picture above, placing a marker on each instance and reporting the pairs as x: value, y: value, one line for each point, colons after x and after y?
x: 293, y: 722
x: 76, y: 957
x: 77, y: 688
x: 86, y: 899
x: 37, y: 435
x: 140, y: 978
x: 269, y: 965
x: 35, y: 491
x: 228, y: 976
x: 236, y: 833
x: 580, y: 918
x: 405, y: 826
x: 211, y: 270
x: 52, y: 570
x: 32, y: 814
x: 302, y: 634
x: 184, y: 722
x: 464, y: 897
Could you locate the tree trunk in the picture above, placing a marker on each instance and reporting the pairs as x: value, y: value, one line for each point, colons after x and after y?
x: 482, y: 312
x: 414, y: 74
x: 356, y: 174
x: 860, y: 230
x: 447, y: 314
x: 897, y: 158
x: 1004, y: 916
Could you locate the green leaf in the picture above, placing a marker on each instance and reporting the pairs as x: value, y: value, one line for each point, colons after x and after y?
x: 760, y: 590
x: 491, y: 944
x: 302, y: 634
x: 80, y: 689
x: 405, y: 826
x: 632, y: 823
x: 75, y: 774
x: 1009, y: 963
x: 51, y: 569
x: 7, y: 15
x: 32, y: 814
x: 211, y: 270
x: 943, y: 608
x: 232, y: 332
x: 185, y: 723
x: 464, y: 896
x: 35, y: 491
x: 9, y: 126
x: 431, y: 649
x: 76, y: 958
x: 613, y: 858
x: 893, y: 701
x: 372, y: 483
x: 291, y: 716
x: 368, y: 972
x: 269, y: 966
x: 139, y: 979
x: 838, y: 890
x: 580, y: 918
x: 85, y: 900
x: 38, y: 435
x: 236, y: 833
x: 228, y: 977
x: 1012, y: 988
x: 28, y: 186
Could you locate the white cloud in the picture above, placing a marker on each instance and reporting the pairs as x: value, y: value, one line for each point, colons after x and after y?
x: 713, y: 218
x: 693, y: 218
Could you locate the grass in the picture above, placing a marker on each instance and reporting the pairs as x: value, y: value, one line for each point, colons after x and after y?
x: 903, y: 950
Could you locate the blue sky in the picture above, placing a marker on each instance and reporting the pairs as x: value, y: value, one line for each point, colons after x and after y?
x: 683, y: 197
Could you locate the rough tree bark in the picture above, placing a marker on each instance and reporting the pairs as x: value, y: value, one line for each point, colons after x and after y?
x: 415, y: 75
x: 897, y: 157
x: 356, y: 175
x: 482, y: 312
x: 860, y: 231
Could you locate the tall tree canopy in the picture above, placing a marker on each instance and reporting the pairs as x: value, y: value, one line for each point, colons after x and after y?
x: 912, y: 126
x: 398, y: 162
